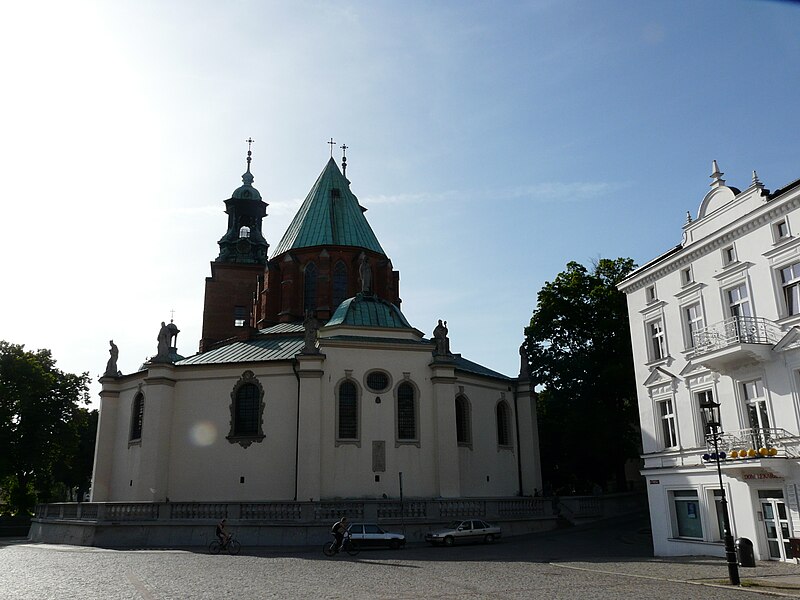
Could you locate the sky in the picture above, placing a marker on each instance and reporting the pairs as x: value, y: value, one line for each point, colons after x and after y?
x: 491, y: 143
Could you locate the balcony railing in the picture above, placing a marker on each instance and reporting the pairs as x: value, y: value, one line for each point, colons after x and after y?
x: 736, y: 330
x: 785, y: 443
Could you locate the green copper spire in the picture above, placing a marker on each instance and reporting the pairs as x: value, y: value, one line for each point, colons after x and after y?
x: 329, y: 216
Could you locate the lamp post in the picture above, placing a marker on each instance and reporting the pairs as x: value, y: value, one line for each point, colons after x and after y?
x: 711, y: 412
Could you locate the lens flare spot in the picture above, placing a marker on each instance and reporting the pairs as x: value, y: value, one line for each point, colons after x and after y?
x: 203, y: 433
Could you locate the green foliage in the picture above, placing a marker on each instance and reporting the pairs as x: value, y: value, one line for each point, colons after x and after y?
x: 579, y: 353
x: 44, y: 432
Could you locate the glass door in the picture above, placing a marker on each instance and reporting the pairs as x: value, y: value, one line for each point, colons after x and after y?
x: 776, y: 527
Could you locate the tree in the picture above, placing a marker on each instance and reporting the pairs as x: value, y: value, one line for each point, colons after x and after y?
x: 42, y: 426
x: 579, y: 352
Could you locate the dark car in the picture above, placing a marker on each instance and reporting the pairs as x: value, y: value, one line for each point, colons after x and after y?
x: 469, y: 530
x: 367, y: 535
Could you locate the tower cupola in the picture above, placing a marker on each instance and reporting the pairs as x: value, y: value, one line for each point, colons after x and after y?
x: 244, y: 241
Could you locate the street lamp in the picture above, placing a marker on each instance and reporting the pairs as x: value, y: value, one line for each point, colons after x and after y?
x: 711, y: 413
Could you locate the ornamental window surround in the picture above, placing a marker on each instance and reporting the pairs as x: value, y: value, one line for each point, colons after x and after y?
x: 137, y: 418
x: 656, y: 340
x: 463, y: 421
x: 407, y: 414
x: 790, y: 285
x: 503, y: 418
x: 666, y: 414
x: 347, y: 412
x: 247, y: 411
x: 693, y: 323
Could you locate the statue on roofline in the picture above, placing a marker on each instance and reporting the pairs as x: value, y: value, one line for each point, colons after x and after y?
x: 441, y: 340
x: 111, y: 365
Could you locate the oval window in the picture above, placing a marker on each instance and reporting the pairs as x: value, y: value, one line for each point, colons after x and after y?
x: 377, y: 381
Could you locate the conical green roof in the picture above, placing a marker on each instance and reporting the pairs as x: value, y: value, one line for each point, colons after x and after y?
x: 329, y: 216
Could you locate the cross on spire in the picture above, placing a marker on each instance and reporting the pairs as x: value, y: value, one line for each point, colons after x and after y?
x: 171, y: 315
x: 332, y: 143
x: 249, y: 141
x: 344, y: 159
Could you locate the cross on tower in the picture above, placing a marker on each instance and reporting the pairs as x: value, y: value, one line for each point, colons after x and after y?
x: 332, y: 143
x: 249, y: 141
x: 171, y: 315
x: 344, y: 159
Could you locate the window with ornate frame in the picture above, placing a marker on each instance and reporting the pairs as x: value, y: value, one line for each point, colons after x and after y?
x: 137, y: 418
x: 347, y: 412
x: 790, y: 284
x: 377, y: 381
x: 463, y: 421
x: 666, y: 415
x: 407, y: 413
x: 503, y: 414
x: 656, y: 340
x: 247, y: 411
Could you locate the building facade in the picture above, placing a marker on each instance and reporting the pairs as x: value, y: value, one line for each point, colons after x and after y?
x: 310, y: 383
x: 716, y: 319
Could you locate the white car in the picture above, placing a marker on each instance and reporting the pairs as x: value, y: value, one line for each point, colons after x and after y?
x: 367, y: 535
x: 469, y: 530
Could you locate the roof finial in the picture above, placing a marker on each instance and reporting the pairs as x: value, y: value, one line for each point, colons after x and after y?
x: 716, y: 175
x: 332, y: 143
x: 171, y: 315
x: 249, y: 152
x: 688, y: 217
x: 344, y: 159
x: 756, y: 181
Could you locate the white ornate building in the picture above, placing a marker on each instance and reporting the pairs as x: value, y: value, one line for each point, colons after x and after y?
x: 278, y: 406
x: 716, y: 318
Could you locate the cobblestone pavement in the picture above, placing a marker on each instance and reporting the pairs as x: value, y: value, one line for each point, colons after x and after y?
x: 612, y: 561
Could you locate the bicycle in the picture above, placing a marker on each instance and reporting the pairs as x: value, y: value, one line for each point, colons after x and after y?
x: 348, y: 545
x: 232, y: 545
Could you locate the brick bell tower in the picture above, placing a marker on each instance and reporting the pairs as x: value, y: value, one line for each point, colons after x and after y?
x: 238, y: 270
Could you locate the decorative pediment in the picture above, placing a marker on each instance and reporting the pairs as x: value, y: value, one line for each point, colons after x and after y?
x: 660, y: 376
x: 789, y: 342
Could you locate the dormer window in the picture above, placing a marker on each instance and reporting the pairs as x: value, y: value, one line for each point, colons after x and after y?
x: 244, y: 232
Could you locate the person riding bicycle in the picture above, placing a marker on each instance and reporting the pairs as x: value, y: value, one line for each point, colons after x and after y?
x: 222, y: 533
x: 338, y: 530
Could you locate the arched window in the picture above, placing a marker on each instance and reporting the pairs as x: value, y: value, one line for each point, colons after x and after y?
x: 463, y: 421
x: 247, y: 411
x: 137, y: 417
x: 310, y: 287
x: 347, y: 410
x: 406, y: 412
x: 503, y: 427
x: 244, y: 232
x: 339, y: 284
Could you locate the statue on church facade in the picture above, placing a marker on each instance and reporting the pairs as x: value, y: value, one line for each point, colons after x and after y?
x: 311, y: 326
x: 365, y: 274
x: 164, y: 336
x: 524, y: 366
x: 441, y: 340
x: 111, y: 365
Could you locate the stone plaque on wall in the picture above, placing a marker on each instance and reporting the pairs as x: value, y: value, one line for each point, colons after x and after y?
x: 378, y: 456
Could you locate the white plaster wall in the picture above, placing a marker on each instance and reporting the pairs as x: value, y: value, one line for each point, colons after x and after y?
x: 347, y: 468
x: 486, y: 458
x: 204, y: 464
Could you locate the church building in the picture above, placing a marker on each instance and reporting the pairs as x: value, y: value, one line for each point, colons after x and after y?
x: 310, y: 384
